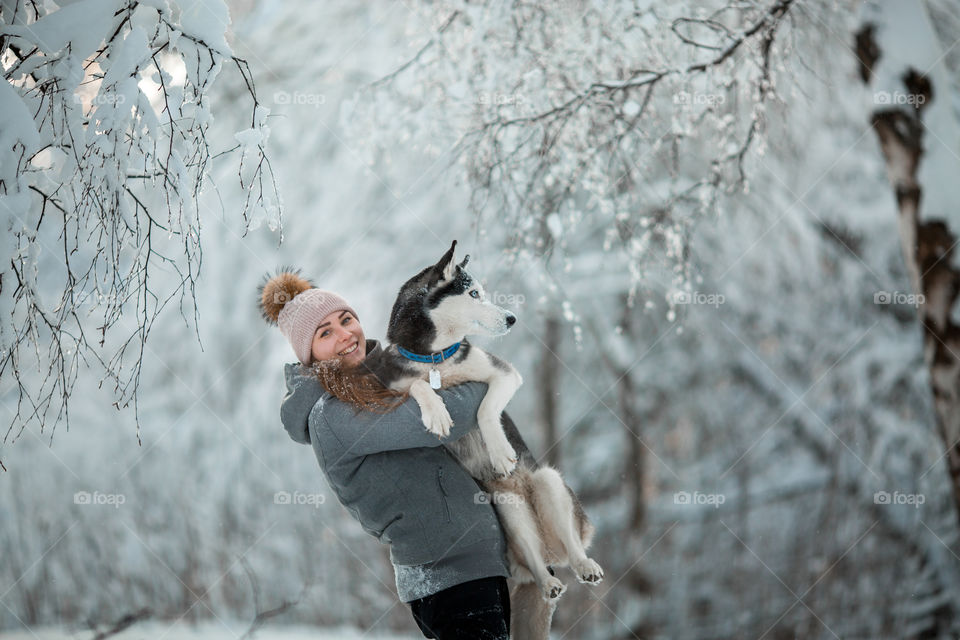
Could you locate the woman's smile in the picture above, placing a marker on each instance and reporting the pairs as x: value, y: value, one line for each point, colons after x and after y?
x: 340, y: 336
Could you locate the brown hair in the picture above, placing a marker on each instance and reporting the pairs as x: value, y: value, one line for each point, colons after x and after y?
x: 357, y: 386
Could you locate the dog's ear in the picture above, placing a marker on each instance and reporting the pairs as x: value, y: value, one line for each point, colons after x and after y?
x: 466, y: 258
x: 445, y: 269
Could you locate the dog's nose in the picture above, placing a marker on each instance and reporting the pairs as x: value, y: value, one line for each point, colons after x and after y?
x: 511, y: 319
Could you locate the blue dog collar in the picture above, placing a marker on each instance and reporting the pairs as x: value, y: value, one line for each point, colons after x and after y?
x: 433, y: 358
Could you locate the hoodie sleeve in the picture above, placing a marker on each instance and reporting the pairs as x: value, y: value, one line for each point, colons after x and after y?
x: 366, y: 432
x: 303, y: 391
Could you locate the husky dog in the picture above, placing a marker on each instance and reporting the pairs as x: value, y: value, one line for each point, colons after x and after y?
x: 544, y: 522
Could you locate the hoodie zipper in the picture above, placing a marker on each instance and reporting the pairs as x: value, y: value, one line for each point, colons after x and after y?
x: 443, y: 493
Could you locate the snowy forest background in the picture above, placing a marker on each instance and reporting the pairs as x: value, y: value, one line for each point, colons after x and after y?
x: 685, y: 204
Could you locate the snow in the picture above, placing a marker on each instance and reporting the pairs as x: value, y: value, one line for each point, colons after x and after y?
x: 214, y: 630
x: 83, y: 25
x: 207, y: 21
x: 16, y: 127
x: 249, y: 137
x: 127, y: 59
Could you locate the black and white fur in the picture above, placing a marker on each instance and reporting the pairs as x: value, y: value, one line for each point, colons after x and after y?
x: 544, y: 522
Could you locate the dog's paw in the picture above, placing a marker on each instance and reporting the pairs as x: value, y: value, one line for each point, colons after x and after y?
x: 504, y: 462
x: 588, y: 571
x: 437, y: 419
x: 504, y: 467
x: 552, y: 588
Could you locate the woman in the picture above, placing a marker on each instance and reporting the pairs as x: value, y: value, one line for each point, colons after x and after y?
x: 446, y: 544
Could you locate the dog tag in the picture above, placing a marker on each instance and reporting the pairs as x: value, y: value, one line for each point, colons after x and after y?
x: 434, y: 379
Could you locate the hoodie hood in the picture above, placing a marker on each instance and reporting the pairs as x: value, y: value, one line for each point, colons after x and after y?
x: 303, y: 392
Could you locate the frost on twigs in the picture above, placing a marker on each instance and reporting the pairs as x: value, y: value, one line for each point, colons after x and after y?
x: 103, y: 156
x: 590, y: 128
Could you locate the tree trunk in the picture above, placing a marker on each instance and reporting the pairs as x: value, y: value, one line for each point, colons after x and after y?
x: 636, y: 463
x: 627, y: 400
x: 927, y: 245
x: 549, y: 388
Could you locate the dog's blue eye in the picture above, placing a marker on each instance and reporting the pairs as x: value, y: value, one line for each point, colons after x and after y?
x: 474, y: 294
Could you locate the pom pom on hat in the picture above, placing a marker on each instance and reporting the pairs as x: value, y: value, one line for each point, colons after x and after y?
x: 275, y: 292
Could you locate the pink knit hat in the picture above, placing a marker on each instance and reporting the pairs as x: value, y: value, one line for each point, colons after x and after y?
x: 292, y: 303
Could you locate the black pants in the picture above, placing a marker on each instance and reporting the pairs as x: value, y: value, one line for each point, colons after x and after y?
x: 475, y: 610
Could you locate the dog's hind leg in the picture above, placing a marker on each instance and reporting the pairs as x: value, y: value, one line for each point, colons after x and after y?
x: 522, y: 533
x: 530, y: 614
x: 557, y: 512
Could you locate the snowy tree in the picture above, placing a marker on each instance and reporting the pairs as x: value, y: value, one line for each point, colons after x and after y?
x: 103, y: 154
x: 632, y: 117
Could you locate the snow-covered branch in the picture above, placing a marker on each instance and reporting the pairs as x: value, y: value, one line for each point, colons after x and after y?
x: 610, y: 118
x: 103, y: 155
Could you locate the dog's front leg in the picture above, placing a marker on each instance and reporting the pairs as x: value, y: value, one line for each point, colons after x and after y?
x: 501, y: 388
x: 435, y: 416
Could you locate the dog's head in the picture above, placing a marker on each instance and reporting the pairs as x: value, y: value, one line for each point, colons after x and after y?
x: 443, y: 304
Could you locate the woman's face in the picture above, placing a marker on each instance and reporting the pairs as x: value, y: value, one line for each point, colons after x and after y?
x: 340, y: 336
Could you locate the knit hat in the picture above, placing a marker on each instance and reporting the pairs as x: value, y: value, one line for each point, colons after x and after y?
x: 290, y: 301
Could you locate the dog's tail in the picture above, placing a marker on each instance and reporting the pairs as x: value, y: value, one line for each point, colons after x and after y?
x: 530, y: 614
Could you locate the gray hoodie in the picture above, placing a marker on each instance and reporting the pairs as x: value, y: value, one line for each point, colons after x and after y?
x: 404, y: 488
